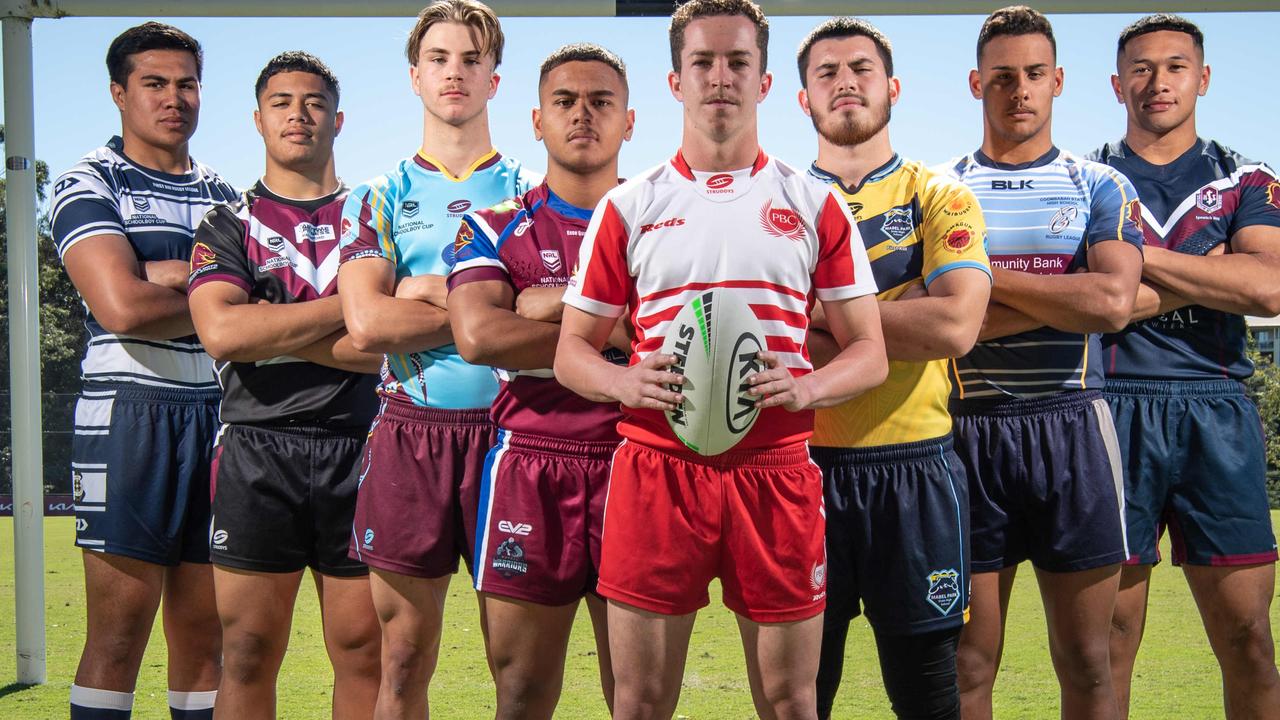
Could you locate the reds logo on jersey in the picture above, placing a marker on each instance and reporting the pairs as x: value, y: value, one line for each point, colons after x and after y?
x: 781, y: 222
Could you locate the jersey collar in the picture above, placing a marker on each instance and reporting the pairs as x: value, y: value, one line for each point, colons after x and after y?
x: 982, y: 159
x: 721, y: 186
x: 876, y: 175
x: 427, y: 162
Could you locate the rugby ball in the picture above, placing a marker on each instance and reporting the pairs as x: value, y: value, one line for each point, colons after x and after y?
x: 715, y: 338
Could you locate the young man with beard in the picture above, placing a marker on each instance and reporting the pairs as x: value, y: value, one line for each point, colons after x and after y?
x: 1191, y: 438
x: 123, y: 218
x: 297, y: 399
x: 896, y: 494
x: 700, y: 517
x: 542, y: 497
x: 1032, y: 429
x: 426, y: 447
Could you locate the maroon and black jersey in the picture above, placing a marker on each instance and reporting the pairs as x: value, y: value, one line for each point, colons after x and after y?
x: 1191, y: 205
x: 283, y: 251
x: 533, y: 241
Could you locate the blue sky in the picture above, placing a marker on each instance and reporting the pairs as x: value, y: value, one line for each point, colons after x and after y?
x: 936, y: 118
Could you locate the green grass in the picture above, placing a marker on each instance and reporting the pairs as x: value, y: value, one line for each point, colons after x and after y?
x: 1176, y: 673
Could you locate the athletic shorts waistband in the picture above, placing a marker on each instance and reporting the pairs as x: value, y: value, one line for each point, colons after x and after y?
x: 780, y: 457
x: 589, y: 450
x: 152, y: 394
x: 433, y: 416
x: 306, y: 432
x: 883, y: 454
x: 1028, y: 406
x: 1175, y: 388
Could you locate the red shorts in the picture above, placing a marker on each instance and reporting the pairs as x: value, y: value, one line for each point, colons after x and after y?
x: 541, y: 507
x: 753, y: 518
x: 419, y: 484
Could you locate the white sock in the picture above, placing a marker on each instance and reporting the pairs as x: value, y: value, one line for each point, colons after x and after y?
x: 199, y: 700
x: 101, y: 699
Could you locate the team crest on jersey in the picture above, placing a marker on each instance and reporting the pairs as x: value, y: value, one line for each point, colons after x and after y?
x: 509, y: 559
x: 898, y: 223
x: 1273, y: 195
x: 202, y: 256
x: 551, y: 259
x: 348, y: 231
x: 1063, y: 218
x: 959, y: 238
x: 781, y: 222
x: 77, y: 486
x: 140, y: 203
x: 463, y: 238
x: 1133, y: 213
x: 944, y: 590
x: 409, y: 208
x: 1209, y: 199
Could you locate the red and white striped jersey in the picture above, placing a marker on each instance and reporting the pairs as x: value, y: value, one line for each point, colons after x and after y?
x: 783, y: 239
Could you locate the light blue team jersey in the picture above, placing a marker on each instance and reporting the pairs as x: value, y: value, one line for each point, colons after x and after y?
x: 411, y: 218
x: 1042, y: 218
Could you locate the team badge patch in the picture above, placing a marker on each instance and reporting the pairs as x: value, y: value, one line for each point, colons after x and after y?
x: 1209, y: 199
x: 957, y: 206
x: 202, y: 256
x: 781, y: 222
x: 959, y: 238
x: 1063, y: 218
x: 551, y: 259
x: 944, y: 590
x: 898, y: 223
x: 509, y: 559
x: 409, y: 208
x: 1273, y: 195
x: 140, y: 203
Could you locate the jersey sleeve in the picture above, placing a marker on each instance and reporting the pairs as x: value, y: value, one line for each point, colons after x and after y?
x: 368, y: 222
x: 1115, y: 212
x: 602, y: 282
x: 954, y: 231
x: 218, y: 254
x: 1259, y: 199
x: 84, y: 205
x: 475, y: 247
x: 842, y: 270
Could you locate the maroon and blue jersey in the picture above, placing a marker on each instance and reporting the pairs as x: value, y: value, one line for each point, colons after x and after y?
x: 282, y: 251
x: 533, y: 241
x: 1191, y: 205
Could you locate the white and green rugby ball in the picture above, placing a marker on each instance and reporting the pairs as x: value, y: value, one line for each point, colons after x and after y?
x: 715, y: 338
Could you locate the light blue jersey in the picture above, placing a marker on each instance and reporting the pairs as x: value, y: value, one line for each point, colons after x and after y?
x: 410, y: 217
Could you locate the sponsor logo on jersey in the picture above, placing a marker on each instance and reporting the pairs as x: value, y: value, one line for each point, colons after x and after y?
x: 523, y: 227
x: 218, y: 541
x: 898, y: 223
x: 507, y: 526
x: 551, y: 259
x: 457, y: 207
x: 855, y: 208
x: 1012, y: 184
x: 959, y: 238
x: 348, y: 231
x: 1273, y: 195
x: 781, y: 222
x: 1209, y: 199
x: 77, y: 486
x: 944, y: 589
x: 368, y: 539
x: 719, y: 183
x: 1063, y: 218
x: 202, y: 256
x: 509, y: 559
x: 81, y: 524
x: 409, y: 208
x: 306, y: 232
x: 957, y: 206
x: 673, y: 222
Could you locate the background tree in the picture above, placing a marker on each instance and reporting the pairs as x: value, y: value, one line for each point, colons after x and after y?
x: 1264, y: 387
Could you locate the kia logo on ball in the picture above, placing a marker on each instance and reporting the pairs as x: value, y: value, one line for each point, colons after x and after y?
x: 739, y: 406
x: 459, y: 206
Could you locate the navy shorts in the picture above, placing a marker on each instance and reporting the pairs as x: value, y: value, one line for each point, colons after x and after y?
x: 897, y: 535
x: 1195, y: 463
x: 140, y: 471
x: 283, y: 499
x: 1045, y: 481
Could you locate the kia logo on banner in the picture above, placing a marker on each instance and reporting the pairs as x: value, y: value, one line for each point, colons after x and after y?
x: 55, y: 505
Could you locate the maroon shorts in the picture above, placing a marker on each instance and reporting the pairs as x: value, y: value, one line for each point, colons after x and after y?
x: 541, y: 508
x: 753, y: 518
x: 419, y: 483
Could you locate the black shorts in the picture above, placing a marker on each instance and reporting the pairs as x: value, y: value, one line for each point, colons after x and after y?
x: 1045, y: 481
x: 897, y: 535
x: 283, y: 499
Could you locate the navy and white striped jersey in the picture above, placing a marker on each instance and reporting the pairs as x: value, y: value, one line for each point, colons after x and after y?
x: 157, y: 213
x: 1191, y: 205
x: 1042, y: 217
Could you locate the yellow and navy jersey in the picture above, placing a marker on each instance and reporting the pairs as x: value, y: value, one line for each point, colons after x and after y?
x: 916, y: 225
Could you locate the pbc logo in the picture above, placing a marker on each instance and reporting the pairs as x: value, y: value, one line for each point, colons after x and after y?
x: 1209, y: 199
x: 507, y: 526
x: 673, y: 222
x: 551, y: 259
x: 457, y: 207
x: 719, y: 183
x: 201, y: 256
x: 781, y: 222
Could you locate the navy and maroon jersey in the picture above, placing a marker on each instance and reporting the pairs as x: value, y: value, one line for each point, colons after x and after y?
x: 533, y: 241
x: 282, y: 251
x: 1190, y: 205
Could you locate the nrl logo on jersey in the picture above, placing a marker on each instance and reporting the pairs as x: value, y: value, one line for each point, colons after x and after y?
x: 551, y: 259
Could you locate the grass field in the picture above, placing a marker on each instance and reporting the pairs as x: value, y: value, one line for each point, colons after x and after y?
x: 1176, y: 673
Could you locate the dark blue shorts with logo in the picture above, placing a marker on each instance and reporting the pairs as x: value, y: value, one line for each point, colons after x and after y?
x: 1045, y: 481
x: 1194, y: 463
x: 140, y: 471
x: 897, y: 535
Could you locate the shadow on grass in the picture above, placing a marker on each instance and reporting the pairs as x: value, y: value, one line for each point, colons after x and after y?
x: 14, y: 688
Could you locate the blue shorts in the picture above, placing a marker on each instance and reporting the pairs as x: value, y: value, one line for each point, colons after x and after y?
x: 897, y: 535
x: 140, y: 471
x: 1195, y: 463
x: 1045, y: 481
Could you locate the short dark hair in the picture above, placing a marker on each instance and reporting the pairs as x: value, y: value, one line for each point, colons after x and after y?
x: 1015, y: 20
x: 478, y: 18
x: 297, y: 61
x: 696, y: 9
x: 844, y: 27
x: 1156, y: 23
x: 144, y: 37
x: 582, y: 52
